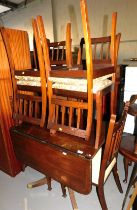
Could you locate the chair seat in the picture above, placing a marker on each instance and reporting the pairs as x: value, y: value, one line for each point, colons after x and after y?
x: 96, y: 167
x: 68, y: 83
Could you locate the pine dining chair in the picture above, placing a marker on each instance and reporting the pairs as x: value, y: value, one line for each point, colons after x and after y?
x: 104, y: 52
x: 103, y: 164
x: 60, y: 52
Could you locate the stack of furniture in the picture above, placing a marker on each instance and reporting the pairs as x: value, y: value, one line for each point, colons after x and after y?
x: 66, y: 140
x: 49, y: 138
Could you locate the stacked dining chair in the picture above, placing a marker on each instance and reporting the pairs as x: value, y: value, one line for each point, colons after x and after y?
x: 63, y: 151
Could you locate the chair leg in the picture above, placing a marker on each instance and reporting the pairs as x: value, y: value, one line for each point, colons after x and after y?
x: 63, y: 191
x: 37, y: 183
x: 23, y: 167
x: 131, y: 201
x: 99, y: 117
x: 116, y: 177
x: 101, y: 196
x: 49, y: 183
x: 126, y: 164
x: 73, y: 200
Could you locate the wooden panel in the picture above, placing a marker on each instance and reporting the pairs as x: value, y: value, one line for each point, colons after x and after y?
x: 8, y: 162
x: 19, y: 44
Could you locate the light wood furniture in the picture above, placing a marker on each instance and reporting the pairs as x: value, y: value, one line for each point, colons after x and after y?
x: 105, y: 50
x: 60, y: 52
x: 132, y: 198
x: 108, y: 69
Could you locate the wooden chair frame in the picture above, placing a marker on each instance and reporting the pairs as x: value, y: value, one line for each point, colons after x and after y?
x: 26, y: 104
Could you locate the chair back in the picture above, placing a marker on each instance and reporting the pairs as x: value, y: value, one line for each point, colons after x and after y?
x: 60, y: 52
x: 29, y: 104
x: 112, y: 144
x: 71, y: 110
x: 103, y: 47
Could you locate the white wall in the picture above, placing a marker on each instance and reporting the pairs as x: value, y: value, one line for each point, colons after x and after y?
x: 21, y: 18
x: 100, y: 12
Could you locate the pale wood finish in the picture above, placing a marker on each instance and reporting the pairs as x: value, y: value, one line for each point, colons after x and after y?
x: 55, y: 104
x: 61, y: 52
x: 72, y: 199
x: 101, y: 48
x: 61, y: 115
x: 132, y: 198
x: 105, y: 50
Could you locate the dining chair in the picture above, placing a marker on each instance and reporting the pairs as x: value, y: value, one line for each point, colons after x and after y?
x: 132, y: 198
x: 132, y: 111
x: 104, y: 52
x: 100, y: 93
x: 60, y: 52
x: 105, y: 161
x: 100, y: 88
x: 101, y: 47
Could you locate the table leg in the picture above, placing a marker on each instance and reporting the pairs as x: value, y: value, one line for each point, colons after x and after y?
x: 131, y: 182
x: 99, y: 117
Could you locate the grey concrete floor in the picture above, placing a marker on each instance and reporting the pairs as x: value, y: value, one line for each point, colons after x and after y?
x: 14, y: 194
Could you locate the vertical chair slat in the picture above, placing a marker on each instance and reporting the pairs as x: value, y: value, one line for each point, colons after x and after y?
x: 101, y: 51
x: 25, y: 107
x: 31, y: 109
x: 57, y: 56
x: 36, y: 104
x: 78, y: 118
x: 95, y: 51
x: 52, y: 51
x: 70, y: 116
x: 62, y: 54
x: 21, y: 106
x: 57, y: 113
x: 63, y: 114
